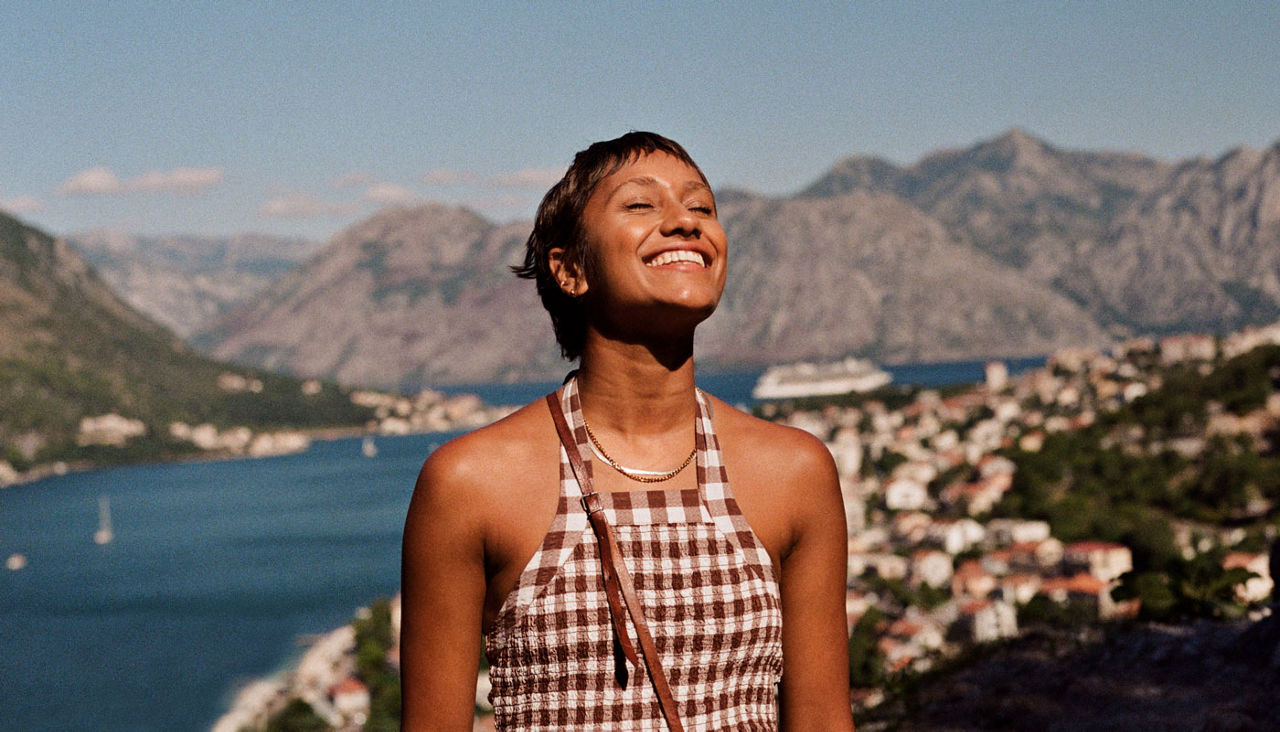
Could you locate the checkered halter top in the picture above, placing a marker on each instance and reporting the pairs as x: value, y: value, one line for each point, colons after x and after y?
x: 709, y: 595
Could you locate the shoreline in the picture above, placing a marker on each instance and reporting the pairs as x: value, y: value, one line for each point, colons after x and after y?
x: 58, y: 468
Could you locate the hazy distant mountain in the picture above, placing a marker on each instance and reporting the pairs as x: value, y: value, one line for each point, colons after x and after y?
x: 869, y: 273
x: 184, y: 282
x: 1200, y: 250
x: 424, y: 295
x: 1011, y: 197
x: 1010, y: 247
x: 1140, y: 244
x: 409, y: 296
x: 70, y: 348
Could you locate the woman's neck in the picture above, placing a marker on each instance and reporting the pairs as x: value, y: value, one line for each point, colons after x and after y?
x: 634, y: 390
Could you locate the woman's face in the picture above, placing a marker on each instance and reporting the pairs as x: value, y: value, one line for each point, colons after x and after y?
x: 658, y: 252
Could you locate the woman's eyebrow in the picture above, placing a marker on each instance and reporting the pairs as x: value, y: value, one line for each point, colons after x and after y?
x: 640, y: 180
x: 650, y: 180
x: 697, y: 185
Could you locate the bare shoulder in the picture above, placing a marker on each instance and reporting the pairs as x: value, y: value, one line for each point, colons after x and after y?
x: 784, y: 479
x: 471, y: 472
x: 789, y: 455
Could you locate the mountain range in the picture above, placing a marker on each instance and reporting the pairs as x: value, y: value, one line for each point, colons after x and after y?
x: 70, y: 348
x: 1011, y: 247
x: 185, y: 282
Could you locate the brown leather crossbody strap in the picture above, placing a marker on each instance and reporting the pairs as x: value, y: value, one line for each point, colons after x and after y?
x: 617, y: 581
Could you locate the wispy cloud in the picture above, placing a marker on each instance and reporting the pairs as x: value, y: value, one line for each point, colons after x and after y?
x: 528, y: 178
x: 94, y: 180
x: 303, y: 206
x: 178, y: 179
x: 448, y: 177
x: 389, y: 193
x: 22, y: 204
x: 102, y: 180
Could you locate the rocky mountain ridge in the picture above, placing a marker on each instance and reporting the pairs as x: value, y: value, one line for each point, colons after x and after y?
x: 1011, y: 247
x: 1142, y: 245
x: 407, y: 297
x: 71, y: 350
x: 185, y: 282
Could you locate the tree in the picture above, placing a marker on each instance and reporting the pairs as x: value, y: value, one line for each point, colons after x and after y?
x: 297, y: 716
x: 866, y: 661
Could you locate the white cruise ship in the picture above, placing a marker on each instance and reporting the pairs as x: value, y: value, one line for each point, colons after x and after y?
x: 819, y: 379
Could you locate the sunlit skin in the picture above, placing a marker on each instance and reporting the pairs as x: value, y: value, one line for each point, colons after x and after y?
x: 483, y: 501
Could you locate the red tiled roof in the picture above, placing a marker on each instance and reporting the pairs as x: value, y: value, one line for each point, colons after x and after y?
x: 1239, y: 559
x: 1093, y: 546
x: 349, y: 685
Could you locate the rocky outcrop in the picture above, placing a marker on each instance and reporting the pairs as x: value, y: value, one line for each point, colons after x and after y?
x: 1183, y: 677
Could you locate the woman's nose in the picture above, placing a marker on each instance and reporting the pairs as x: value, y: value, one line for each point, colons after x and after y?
x: 680, y: 221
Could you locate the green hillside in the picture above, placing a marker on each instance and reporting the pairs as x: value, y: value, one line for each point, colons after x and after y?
x: 69, y: 348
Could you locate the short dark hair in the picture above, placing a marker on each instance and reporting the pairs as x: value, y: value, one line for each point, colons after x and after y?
x: 559, y: 224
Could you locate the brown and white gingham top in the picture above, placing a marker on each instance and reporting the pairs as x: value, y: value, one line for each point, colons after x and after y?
x: 709, y: 594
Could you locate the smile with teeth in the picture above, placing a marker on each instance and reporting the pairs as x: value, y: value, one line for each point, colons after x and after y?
x: 677, y: 256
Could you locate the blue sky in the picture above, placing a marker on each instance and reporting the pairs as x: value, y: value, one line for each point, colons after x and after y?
x: 302, y: 118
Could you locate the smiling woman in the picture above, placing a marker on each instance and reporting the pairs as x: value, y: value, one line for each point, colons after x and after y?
x: 615, y: 587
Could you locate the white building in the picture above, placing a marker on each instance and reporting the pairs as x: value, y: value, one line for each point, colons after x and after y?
x: 904, y: 494
x: 931, y: 567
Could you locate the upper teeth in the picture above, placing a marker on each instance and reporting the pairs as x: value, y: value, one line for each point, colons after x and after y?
x: 676, y: 255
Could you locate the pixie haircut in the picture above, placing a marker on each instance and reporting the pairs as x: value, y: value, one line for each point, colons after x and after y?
x: 559, y: 224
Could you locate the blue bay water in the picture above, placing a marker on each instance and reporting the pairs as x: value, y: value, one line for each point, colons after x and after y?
x: 217, y: 570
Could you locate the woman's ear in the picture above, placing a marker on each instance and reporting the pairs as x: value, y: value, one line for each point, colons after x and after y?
x: 567, y: 273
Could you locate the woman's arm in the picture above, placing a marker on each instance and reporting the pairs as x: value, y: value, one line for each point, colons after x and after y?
x: 443, y: 585
x: 815, y: 677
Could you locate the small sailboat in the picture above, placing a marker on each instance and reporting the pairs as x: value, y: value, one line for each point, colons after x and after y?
x: 368, y: 448
x: 104, y: 534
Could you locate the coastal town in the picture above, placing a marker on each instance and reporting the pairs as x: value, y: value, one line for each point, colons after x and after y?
x: 935, y: 566
x: 390, y: 414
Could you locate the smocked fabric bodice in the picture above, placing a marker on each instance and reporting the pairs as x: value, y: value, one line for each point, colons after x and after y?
x: 709, y: 594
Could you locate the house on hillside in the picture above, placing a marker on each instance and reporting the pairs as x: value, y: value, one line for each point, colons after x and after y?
x: 1005, y: 531
x: 1093, y: 591
x: 956, y: 535
x: 846, y: 449
x: 1255, y: 589
x: 350, y: 700
x: 1187, y: 347
x: 905, y: 494
x: 978, y: 497
x: 972, y: 580
x: 1249, y: 339
x: 856, y: 604
x: 984, y: 621
x: 887, y: 566
x: 1104, y: 560
x: 931, y: 567
x: 911, y: 526
x: 1019, y: 588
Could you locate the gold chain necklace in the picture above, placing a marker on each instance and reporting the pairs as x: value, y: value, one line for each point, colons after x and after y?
x: 636, y: 474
